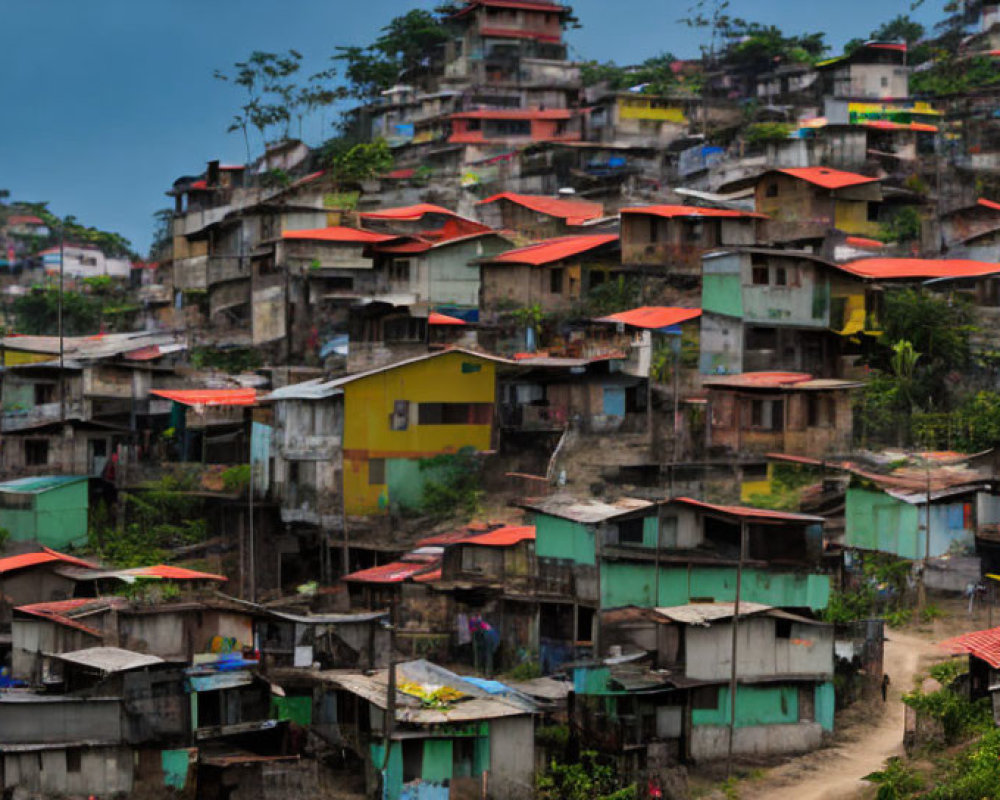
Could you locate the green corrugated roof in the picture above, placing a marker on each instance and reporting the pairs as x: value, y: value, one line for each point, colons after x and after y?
x: 40, y: 483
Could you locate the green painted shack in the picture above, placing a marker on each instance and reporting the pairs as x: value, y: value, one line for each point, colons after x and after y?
x: 784, y: 693
x: 595, y: 556
x: 49, y: 509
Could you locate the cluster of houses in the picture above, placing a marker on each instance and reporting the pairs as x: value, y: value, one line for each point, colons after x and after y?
x: 485, y: 444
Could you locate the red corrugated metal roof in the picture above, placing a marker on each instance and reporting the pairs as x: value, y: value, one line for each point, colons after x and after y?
x: 552, y: 250
x: 519, y: 4
x: 886, y: 125
x: 168, y: 572
x: 143, y: 353
x: 653, y: 317
x: 209, y: 397
x: 45, y: 556
x: 746, y: 512
x: 58, y: 610
x: 396, y: 572
x: 670, y: 211
x: 434, y: 318
x: 898, y: 46
x: 981, y: 644
x: 413, y: 212
x: 24, y: 219
x: 861, y: 241
x: 400, y: 174
x: 982, y: 201
x: 514, y: 113
x: 503, y: 537
x: 575, y: 212
x: 427, y: 577
x: 827, y: 178
x: 918, y: 268
x: 338, y: 233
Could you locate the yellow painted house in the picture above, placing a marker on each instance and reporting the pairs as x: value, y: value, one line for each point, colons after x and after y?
x: 416, y: 409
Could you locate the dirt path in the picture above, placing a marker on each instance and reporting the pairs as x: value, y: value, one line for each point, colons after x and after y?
x: 836, y: 772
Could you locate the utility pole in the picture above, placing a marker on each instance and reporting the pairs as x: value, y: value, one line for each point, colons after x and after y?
x: 921, y: 585
x: 62, y: 371
x: 735, y: 644
x: 390, y: 693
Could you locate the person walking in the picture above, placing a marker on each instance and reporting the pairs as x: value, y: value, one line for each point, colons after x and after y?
x: 885, y: 686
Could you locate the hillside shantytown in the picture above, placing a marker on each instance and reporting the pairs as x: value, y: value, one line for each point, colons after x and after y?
x: 558, y: 429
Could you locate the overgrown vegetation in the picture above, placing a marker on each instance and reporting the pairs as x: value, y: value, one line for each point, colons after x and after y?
x: 163, y: 516
x: 786, y: 483
x: 659, y: 75
x: 591, y: 778
x: 232, y: 360
x: 453, y: 485
x: 865, y: 601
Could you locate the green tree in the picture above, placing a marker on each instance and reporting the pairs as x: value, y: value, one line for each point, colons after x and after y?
x: 347, y: 162
x: 900, y: 28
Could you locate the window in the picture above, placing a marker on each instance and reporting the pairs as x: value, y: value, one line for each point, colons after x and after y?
x: 584, y: 624
x: 36, y: 452
x: 782, y: 629
x: 780, y: 276
x: 74, y: 760
x: 400, y: 418
x: 44, y: 393
x: 885, y: 82
x: 772, y: 190
x: 455, y: 413
x: 630, y: 531
x: 705, y: 698
x: 556, y: 280
x: 694, y: 231
x: 376, y: 472
x: 654, y: 229
x: 668, y: 532
x: 873, y: 209
x: 767, y: 415
x: 760, y: 276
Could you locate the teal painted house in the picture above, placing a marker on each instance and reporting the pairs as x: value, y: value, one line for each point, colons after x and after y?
x: 449, y: 747
x: 681, y: 687
x: 594, y: 556
x: 893, y: 521
x: 49, y: 509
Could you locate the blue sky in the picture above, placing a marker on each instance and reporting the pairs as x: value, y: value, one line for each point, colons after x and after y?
x: 106, y: 102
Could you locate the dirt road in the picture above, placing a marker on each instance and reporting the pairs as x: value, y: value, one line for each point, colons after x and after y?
x: 837, y: 772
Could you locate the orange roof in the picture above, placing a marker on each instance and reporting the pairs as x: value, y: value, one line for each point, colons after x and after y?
x: 669, y: 212
x: 746, y: 512
x: 575, y: 212
x: 764, y: 380
x: 427, y: 577
x: 514, y: 113
x: 407, y: 212
x: 653, y: 317
x: 45, y: 556
x: 827, y: 178
x: 861, y: 241
x: 209, y: 397
x: 396, y: 572
x: 503, y: 537
x: 984, y: 645
x: 886, y: 125
x: 58, y: 611
x: 167, y: 572
x: 24, y: 219
x: 982, y: 201
x: 434, y: 318
x: 552, y: 250
x: 918, y: 268
x: 338, y: 233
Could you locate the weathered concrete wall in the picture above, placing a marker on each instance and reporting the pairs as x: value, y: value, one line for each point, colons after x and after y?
x: 808, y: 650
x: 35, y: 719
x: 709, y: 742
x: 103, y: 771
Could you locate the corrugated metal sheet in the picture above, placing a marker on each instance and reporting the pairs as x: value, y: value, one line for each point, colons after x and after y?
x: 109, y: 659
x: 209, y: 397
x: 746, y: 512
x: 46, y: 556
x: 587, y: 511
x: 575, y: 212
x: 552, y: 250
x: 654, y: 317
